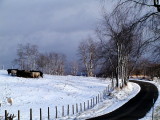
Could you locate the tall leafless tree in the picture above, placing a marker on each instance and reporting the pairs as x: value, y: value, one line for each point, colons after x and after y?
x: 31, y: 53
x: 52, y: 63
x: 133, y: 22
x: 42, y: 62
x: 146, y: 15
x: 87, y: 53
x: 74, y: 67
x: 121, y: 42
x: 27, y: 56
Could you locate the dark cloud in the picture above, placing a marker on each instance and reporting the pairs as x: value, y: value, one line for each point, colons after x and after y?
x: 53, y: 25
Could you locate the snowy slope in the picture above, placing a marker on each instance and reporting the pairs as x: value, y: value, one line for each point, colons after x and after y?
x: 108, y: 105
x: 59, y: 91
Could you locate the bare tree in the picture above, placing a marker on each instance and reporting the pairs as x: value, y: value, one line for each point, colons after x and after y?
x: 141, y: 4
x: 60, y: 64
x: 52, y: 63
x: 27, y: 56
x: 21, y: 57
x: 31, y: 54
x: 121, y: 42
x: 146, y: 15
x: 74, y: 67
x: 87, y: 54
x: 156, y: 53
x: 131, y: 27
x: 42, y: 62
x: 156, y: 45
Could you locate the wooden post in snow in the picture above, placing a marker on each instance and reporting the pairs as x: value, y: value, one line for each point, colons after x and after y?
x: 56, y: 112
x: 84, y: 106
x: 88, y: 104
x: 40, y: 114
x: 73, y: 109
x: 48, y: 114
x: 76, y: 108
x: 30, y: 114
x: 68, y: 110
x: 62, y: 111
x: 80, y: 107
x: 5, y: 114
x: 18, y: 114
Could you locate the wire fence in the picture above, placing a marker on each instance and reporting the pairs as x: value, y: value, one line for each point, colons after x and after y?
x: 64, y: 111
x: 72, y: 110
x: 67, y: 113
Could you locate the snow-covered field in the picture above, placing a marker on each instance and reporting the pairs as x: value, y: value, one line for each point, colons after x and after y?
x: 59, y: 91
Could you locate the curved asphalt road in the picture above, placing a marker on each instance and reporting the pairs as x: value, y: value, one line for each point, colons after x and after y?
x: 137, y: 107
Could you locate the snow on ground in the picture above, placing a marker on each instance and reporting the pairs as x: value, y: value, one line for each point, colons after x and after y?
x: 59, y: 91
x: 118, y: 99
x: 156, y: 113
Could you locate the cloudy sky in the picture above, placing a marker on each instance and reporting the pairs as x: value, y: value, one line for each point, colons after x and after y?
x: 52, y: 25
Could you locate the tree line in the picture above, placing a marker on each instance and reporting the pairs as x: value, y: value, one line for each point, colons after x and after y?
x: 29, y: 58
x: 127, y: 35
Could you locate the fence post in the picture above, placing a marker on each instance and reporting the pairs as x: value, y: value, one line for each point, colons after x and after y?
x: 101, y: 97
x: 88, y: 104
x: 84, y: 106
x: 98, y: 98
x: 18, y: 114
x: 108, y: 88
x: 68, y: 110
x: 73, y: 109
x: 5, y: 114
x: 62, y: 111
x: 56, y: 112
x: 76, y: 108
x: 93, y: 102
x: 80, y: 107
x: 30, y: 114
x: 106, y: 91
x: 40, y: 114
x: 48, y: 114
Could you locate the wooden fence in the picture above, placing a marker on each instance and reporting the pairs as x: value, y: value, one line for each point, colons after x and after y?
x: 70, y: 110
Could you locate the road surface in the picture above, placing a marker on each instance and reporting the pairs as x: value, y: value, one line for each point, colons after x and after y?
x: 137, y: 107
